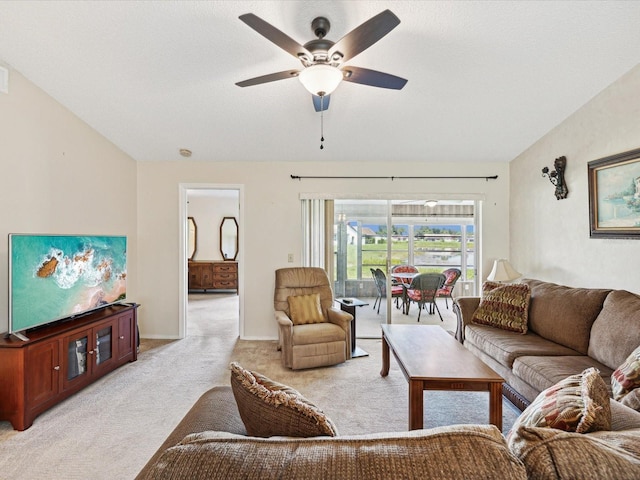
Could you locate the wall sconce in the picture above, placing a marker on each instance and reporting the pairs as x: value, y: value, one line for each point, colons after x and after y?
x: 557, y: 177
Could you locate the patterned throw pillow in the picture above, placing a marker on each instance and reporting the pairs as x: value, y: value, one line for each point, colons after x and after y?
x: 305, y: 309
x: 488, y: 286
x: 504, y: 306
x: 269, y: 408
x: 627, y: 376
x: 552, y: 454
x: 632, y: 399
x: 579, y: 403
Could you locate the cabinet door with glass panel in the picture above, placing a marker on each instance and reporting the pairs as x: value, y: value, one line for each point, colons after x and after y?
x: 88, y: 352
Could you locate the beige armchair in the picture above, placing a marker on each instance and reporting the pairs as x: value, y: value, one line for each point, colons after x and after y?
x: 314, y: 344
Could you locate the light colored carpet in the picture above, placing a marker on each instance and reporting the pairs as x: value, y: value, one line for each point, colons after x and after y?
x: 111, y: 428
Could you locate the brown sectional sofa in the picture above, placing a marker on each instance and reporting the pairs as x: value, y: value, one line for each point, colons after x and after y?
x: 211, y: 443
x: 569, y: 330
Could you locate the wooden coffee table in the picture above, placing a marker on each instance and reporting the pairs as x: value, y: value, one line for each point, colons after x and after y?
x: 431, y: 359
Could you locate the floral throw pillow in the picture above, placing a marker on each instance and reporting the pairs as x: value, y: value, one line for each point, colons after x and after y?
x: 627, y: 376
x: 632, y: 399
x: 504, y: 306
x: 579, y: 403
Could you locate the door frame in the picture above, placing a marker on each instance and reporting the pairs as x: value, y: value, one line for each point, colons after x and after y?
x: 183, y: 284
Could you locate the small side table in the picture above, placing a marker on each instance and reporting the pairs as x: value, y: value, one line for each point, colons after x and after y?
x: 349, y: 305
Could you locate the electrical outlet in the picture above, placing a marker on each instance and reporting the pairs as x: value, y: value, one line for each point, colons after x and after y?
x: 290, y: 258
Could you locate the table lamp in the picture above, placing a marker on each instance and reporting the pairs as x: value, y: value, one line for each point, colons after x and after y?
x: 502, y: 271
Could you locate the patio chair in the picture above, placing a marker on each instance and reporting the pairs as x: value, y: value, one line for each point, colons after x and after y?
x: 404, y: 268
x: 452, y: 275
x: 423, y: 290
x: 397, y: 291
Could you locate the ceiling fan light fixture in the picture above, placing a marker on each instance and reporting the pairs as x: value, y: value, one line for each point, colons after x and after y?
x: 320, y: 79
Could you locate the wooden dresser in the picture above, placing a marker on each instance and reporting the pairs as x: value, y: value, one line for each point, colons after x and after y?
x: 207, y: 275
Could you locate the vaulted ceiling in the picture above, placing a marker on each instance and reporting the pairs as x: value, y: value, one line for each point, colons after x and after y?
x: 486, y: 79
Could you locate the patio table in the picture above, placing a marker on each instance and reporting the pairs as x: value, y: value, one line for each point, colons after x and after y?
x: 405, y: 279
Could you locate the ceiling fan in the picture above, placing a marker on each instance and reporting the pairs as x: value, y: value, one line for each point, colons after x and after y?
x: 323, y: 60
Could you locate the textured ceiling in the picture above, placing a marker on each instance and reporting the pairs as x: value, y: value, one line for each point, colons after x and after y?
x: 486, y: 79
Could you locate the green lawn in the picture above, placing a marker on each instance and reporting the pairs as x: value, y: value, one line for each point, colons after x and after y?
x: 375, y: 255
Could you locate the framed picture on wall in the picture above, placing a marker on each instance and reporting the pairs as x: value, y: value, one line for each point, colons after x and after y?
x: 614, y: 196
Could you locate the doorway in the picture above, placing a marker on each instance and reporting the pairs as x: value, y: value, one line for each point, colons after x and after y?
x: 205, y: 210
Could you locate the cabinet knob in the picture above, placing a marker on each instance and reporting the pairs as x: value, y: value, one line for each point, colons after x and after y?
x: 121, y: 337
x: 57, y: 367
x: 91, y: 352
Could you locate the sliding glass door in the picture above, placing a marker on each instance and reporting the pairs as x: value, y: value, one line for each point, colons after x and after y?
x: 368, y: 234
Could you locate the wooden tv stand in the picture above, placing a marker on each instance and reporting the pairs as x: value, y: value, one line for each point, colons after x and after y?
x: 60, y: 359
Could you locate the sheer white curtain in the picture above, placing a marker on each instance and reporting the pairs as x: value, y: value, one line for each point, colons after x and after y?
x: 317, y: 222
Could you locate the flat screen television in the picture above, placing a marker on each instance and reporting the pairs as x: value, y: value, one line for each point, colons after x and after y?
x: 56, y: 277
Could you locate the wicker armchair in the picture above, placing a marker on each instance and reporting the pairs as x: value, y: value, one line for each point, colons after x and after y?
x: 404, y: 268
x: 397, y: 291
x: 423, y: 291
x: 451, y: 277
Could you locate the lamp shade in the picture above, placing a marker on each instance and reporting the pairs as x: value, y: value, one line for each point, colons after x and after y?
x: 320, y: 79
x: 502, y: 271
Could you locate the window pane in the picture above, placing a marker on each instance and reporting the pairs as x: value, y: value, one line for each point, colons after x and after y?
x: 470, y: 253
x: 374, y: 248
x: 437, y: 247
x: 399, y: 244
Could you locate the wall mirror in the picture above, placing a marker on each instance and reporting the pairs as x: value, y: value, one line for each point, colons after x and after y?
x: 192, y: 237
x: 229, y: 238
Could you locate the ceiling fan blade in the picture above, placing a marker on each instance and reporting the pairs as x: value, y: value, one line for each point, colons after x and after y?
x: 372, y: 78
x: 271, y: 33
x: 272, y: 77
x: 321, y: 104
x: 362, y: 37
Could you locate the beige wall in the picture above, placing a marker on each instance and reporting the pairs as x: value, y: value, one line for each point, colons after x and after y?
x: 59, y: 176
x: 271, y: 222
x: 550, y: 238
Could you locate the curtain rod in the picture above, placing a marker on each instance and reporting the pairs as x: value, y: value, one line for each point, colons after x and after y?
x: 300, y: 177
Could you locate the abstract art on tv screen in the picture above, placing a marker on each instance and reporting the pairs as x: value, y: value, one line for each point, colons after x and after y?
x: 52, y: 277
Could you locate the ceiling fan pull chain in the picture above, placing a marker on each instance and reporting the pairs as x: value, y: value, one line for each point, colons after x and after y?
x: 321, y: 121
